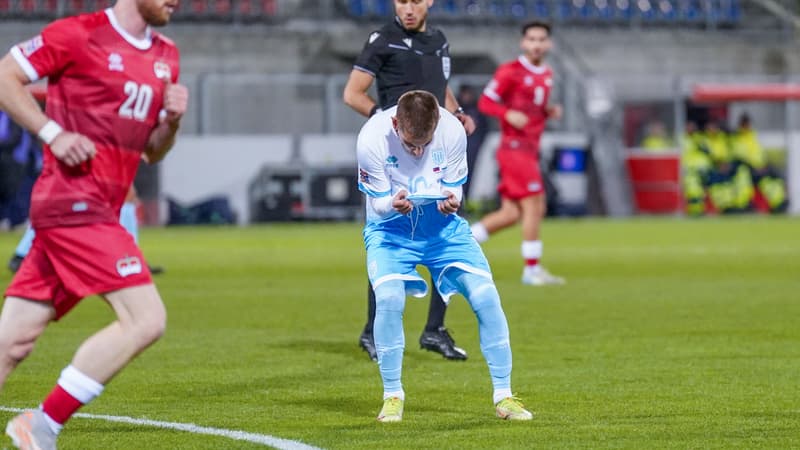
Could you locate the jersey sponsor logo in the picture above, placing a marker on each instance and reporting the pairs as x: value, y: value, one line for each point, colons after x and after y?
x: 363, y: 176
x: 391, y: 161
x: 162, y: 70
x: 374, y: 36
x: 30, y: 46
x: 418, y: 184
x: 446, y: 67
x: 407, y: 41
x: 115, y: 63
x: 528, y: 80
x: 129, y: 265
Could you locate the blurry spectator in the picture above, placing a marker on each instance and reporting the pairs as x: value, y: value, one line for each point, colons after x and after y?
x: 696, y: 165
x: 468, y: 99
x: 656, y: 139
x: 731, y: 189
x: 749, y: 153
x: 20, y: 163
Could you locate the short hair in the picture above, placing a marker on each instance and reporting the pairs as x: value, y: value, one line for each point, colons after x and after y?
x: 536, y: 24
x: 417, y: 113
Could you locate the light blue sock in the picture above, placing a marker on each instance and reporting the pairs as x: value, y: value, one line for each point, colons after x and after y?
x: 25, y: 243
x: 482, y: 296
x: 390, y: 299
x: 129, y: 221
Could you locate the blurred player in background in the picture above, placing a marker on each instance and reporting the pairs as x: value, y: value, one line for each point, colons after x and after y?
x: 111, y: 100
x: 519, y: 95
x: 411, y: 220
x: 404, y: 55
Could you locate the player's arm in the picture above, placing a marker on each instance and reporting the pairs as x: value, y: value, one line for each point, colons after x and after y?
x: 355, y: 93
x: 491, y: 102
x: 162, y: 138
x: 451, y: 104
x: 456, y: 173
x: 70, y: 148
x: 374, y: 182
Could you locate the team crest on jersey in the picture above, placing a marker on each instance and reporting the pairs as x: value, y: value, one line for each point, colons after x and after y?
x: 548, y: 82
x: 407, y: 41
x: 162, y: 70
x: 374, y: 36
x: 438, y: 157
x: 129, y: 265
x: 115, y: 63
x: 30, y: 46
x: 391, y: 161
x: 446, y: 67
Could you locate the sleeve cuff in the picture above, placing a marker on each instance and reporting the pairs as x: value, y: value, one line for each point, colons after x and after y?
x: 23, y: 62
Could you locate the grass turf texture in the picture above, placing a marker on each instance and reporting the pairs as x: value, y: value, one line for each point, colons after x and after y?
x: 669, y: 334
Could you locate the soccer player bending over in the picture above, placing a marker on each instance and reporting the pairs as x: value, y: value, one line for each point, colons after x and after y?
x: 112, y: 99
x: 412, y: 162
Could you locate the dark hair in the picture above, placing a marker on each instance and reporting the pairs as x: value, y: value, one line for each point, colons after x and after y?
x: 417, y: 113
x: 536, y: 24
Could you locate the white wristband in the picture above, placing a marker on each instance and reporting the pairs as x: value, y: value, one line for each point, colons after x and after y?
x: 49, y: 132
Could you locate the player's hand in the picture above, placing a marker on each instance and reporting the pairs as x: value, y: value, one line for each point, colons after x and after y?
x: 402, y: 204
x: 72, y: 148
x: 555, y: 112
x: 450, y: 204
x: 467, y: 121
x: 517, y: 119
x: 176, y: 100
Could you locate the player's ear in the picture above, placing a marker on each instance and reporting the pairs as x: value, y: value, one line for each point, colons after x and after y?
x: 394, y: 122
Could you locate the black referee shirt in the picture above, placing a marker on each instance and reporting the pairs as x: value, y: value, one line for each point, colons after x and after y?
x: 402, y: 60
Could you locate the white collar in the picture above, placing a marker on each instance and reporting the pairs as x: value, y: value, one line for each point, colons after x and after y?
x: 141, y: 44
x: 531, y: 67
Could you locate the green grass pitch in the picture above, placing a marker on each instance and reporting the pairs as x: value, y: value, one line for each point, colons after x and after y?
x: 671, y: 333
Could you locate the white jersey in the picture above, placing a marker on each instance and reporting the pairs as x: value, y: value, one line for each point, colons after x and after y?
x: 385, y: 167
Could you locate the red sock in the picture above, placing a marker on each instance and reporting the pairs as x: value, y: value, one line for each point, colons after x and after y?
x: 60, y: 405
x: 530, y: 262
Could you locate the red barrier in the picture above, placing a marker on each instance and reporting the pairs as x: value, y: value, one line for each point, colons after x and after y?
x: 655, y: 178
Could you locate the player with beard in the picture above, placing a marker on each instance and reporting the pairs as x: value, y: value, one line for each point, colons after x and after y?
x: 112, y: 99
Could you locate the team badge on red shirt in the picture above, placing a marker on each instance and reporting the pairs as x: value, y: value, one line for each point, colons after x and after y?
x: 162, y: 70
x: 129, y: 265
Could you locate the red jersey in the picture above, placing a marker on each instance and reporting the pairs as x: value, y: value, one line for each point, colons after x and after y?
x: 524, y: 87
x: 107, y: 85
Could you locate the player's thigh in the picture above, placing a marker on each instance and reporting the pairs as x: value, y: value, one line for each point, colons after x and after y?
x: 533, y: 205
x: 24, y: 320
x: 137, y: 305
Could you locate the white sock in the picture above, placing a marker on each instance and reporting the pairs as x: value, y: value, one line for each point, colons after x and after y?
x: 55, y: 427
x: 479, y: 232
x: 399, y: 394
x: 79, y: 385
x: 531, y: 250
x: 500, y: 394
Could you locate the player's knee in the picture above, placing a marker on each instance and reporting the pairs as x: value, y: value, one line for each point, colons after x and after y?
x: 16, y: 350
x: 150, y: 328
x: 390, y: 296
x: 480, y: 291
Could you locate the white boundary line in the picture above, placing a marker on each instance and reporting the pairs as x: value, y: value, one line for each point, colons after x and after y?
x: 263, y: 439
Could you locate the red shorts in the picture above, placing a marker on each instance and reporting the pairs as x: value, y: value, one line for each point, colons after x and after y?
x: 67, y: 264
x: 520, y: 175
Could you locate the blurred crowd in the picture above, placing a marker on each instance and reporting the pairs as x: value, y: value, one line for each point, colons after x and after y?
x: 728, y: 171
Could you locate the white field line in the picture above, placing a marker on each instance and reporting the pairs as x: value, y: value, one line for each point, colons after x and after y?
x: 263, y: 439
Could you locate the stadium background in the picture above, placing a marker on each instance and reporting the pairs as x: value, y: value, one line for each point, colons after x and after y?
x: 671, y: 332
x: 266, y: 79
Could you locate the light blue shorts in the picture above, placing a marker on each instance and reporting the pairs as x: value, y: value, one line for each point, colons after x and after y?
x: 395, y: 256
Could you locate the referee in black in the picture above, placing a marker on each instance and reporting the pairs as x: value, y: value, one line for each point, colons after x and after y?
x: 405, y: 55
